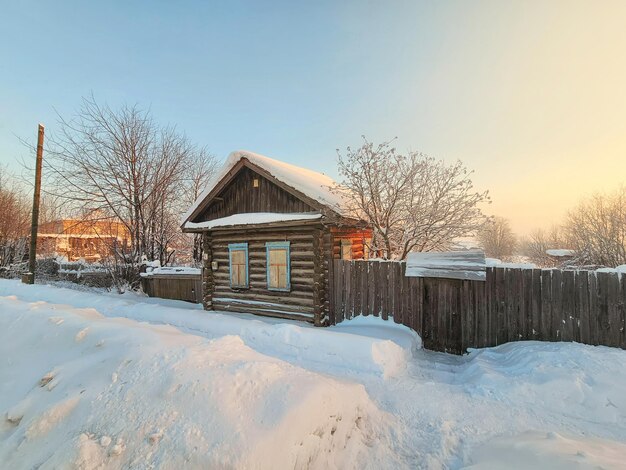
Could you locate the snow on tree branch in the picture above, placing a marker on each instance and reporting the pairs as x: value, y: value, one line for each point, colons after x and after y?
x: 413, y: 202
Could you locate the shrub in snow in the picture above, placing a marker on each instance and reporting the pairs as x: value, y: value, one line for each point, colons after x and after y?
x: 47, y: 267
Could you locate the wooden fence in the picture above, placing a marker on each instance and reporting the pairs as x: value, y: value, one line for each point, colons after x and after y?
x: 187, y: 287
x: 513, y: 304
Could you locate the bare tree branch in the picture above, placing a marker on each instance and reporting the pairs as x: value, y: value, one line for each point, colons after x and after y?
x: 596, y: 229
x: 497, y: 239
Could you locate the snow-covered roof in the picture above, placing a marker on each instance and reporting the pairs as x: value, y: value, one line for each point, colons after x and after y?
x: 468, y: 265
x: 251, y: 218
x: 560, y: 252
x: 312, y: 184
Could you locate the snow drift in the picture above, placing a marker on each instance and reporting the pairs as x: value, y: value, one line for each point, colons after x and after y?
x: 536, y: 450
x: 369, y: 345
x: 81, y: 390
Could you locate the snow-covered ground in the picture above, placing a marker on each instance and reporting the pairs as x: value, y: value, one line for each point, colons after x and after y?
x: 97, y: 380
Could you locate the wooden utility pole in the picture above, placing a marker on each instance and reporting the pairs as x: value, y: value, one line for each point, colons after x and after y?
x: 29, y: 278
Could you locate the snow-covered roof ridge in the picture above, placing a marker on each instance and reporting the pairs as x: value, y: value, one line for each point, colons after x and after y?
x: 313, y: 184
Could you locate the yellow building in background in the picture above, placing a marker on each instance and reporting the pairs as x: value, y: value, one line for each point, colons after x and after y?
x: 82, y: 239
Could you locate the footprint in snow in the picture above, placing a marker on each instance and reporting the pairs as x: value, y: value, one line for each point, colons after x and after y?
x: 49, y: 419
x: 49, y: 381
x: 118, y: 448
x: 14, y: 417
x: 154, y: 438
x: 81, y: 335
x: 46, y: 379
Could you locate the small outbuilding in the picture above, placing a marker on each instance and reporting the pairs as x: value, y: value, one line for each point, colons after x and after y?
x: 560, y: 256
x: 270, y: 231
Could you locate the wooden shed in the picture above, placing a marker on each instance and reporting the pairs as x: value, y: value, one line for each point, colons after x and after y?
x: 270, y: 232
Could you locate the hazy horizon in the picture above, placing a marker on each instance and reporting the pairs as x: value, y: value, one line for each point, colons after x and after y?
x: 529, y: 95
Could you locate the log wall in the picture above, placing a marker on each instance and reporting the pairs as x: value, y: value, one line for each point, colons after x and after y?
x: 308, y: 289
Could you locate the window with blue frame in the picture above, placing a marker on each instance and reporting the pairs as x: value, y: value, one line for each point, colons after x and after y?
x: 238, y: 260
x: 278, y: 266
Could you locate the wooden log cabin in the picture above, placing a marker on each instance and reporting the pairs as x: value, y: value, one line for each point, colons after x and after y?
x: 270, y: 232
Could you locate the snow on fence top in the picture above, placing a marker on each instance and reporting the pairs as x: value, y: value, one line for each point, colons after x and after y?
x: 497, y: 263
x: 467, y: 265
x: 311, y: 183
x: 251, y: 219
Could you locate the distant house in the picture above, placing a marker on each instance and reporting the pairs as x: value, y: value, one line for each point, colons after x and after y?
x: 81, y: 239
x: 270, y: 232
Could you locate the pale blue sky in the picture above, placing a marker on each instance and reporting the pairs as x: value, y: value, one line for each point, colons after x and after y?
x: 529, y: 94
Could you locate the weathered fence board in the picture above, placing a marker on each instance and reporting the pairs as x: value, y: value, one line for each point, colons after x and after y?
x: 512, y: 304
x: 622, y: 307
x: 582, y: 293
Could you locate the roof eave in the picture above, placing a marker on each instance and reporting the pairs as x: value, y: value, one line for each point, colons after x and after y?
x: 218, y: 187
x: 281, y: 224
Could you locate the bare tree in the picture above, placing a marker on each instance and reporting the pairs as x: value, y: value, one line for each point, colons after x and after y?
x: 596, y: 229
x: 120, y: 165
x: 536, y: 245
x: 199, y: 167
x: 497, y: 238
x: 204, y: 167
x: 14, y: 220
x: 49, y: 209
x: 413, y: 202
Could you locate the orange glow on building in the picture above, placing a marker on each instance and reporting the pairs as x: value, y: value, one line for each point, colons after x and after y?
x: 76, y: 239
